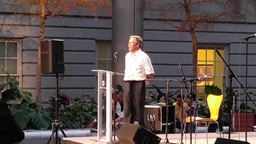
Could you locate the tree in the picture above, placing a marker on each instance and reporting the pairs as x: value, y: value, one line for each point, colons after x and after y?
x: 46, y: 9
x: 188, y: 15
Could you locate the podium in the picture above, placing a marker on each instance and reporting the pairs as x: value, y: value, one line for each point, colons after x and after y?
x: 104, y: 85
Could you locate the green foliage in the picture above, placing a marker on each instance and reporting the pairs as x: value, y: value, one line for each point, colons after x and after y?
x: 24, y: 109
x: 21, y: 114
x: 242, y: 108
x: 40, y: 121
x: 211, y: 89
x: 203, y: 110
x: 238, y: 108
x: 21, y: 95
x: 235, y: 96
x: 81, y: 112
x: 242, y: 105
x: 226, y: 103
x: 151, y: 98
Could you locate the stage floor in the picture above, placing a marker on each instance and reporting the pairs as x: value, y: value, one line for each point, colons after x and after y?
x: 172, y: 138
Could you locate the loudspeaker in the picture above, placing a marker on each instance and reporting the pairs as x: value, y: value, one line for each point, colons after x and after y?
x: 229, y: 141
x: 52, y: 56
x: 136, y: 134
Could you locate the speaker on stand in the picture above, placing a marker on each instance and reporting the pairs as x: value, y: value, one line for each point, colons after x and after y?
x: 52, y: 56
x: 52, y: 62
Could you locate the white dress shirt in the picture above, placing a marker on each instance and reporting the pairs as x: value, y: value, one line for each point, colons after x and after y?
x: 137, y: 66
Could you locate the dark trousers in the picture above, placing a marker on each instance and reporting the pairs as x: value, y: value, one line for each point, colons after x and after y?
x: 134, y: 99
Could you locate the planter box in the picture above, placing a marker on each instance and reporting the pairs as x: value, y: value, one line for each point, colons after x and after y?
x: 240, y: 122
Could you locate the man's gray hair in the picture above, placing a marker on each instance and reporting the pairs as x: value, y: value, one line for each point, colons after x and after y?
x: 138, y: 39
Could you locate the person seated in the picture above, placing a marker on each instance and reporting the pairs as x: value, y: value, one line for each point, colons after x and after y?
x: 161, y: 99
x: 118, y: 118
x: 192, y: 106
x: 117, y: 106
x: 180, y: 113
x: 120, y: 101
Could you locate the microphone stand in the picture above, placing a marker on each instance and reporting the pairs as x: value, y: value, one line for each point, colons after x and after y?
x: 232, y: 74
x: 182, y: 109
x: 167, y: 109
x: 115, y: 93
x: 115, y: 81
x: 191, y: 106
x: 190, y: 111
x: 246, y: 68
x: 183, y: 81
x: 183, y: 77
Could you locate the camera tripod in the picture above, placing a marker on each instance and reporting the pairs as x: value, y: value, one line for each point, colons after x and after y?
x: 56, y: 125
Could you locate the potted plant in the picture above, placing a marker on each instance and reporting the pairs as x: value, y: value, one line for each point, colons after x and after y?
x: 202, y: 104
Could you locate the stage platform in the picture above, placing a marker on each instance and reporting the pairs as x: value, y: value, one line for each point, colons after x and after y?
x: 172, y: 138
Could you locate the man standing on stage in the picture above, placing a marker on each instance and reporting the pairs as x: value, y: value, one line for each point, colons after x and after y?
x: 138, y: 68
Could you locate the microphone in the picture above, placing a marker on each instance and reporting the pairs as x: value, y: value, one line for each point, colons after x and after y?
x: 202, y: 79
x: 246, y: 38
x: 118, y: 52
x: 193, y: 79
x: 183, y: 76
x: 199, y: 79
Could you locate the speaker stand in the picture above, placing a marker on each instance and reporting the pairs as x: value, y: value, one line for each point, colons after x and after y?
x: 56, y: 125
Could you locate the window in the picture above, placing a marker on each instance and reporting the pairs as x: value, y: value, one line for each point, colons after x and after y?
x: 104, y: 55
x: 104, y: 58
x: 210, y: 64
x: 10, y: 59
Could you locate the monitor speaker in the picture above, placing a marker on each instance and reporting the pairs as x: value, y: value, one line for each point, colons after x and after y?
x: 136, y: 134
x: 229, y: 141
x: 52, y: 57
